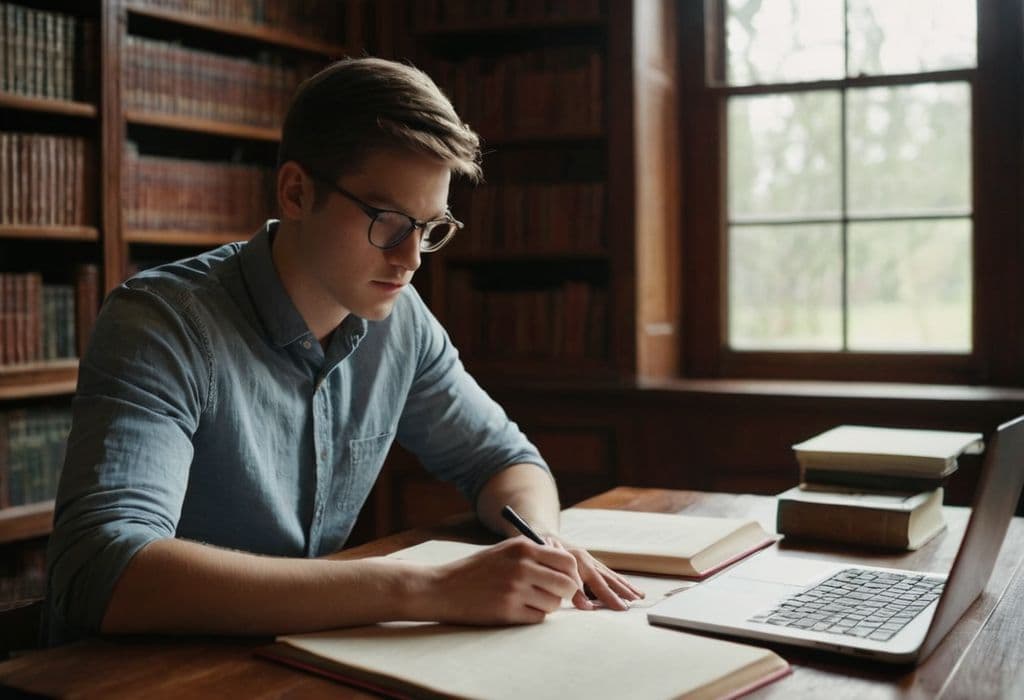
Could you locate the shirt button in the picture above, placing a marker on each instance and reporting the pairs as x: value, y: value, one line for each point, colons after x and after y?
x: 306, y: 344
x: 323, y: 456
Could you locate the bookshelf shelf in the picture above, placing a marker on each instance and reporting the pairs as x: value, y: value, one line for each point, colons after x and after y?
x: 186, y: 238
x: 55, y: 233
x: 597, y: 256
x: 47, y: 104
x: 257, y: 32
x: 207, y: 126
x: 25, y: 522
x: 509, y: 27
x: 560, y: 137
x: 53, y: 378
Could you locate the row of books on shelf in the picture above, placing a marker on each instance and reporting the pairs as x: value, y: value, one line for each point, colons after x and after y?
x: 47, y: 54
x: 316, y: 18
x: 169, y: 79
x: 873, y: 487
x: 32, y: 444
x: 46, y: 180
x: 172, y: 193
x: 568, y: 321
x: 438, y: 13
x: 40, y: 322
x: 536, y: 218
x: 530, y: 92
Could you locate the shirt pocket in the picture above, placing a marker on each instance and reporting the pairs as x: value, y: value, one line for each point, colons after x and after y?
x: 366, y: 457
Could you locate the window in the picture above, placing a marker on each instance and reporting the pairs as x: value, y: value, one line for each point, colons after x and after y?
x: 838, y: 182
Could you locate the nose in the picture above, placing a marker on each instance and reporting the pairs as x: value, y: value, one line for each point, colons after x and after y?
x: 407, y: 253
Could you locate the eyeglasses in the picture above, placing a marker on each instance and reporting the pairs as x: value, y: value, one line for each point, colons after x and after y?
x: 388, y: 228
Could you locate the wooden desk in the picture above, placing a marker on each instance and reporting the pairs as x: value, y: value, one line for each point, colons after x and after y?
x: 981, y: 657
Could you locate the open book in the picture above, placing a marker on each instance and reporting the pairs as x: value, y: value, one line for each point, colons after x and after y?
x: 662, y: 543
x: 593, y: 654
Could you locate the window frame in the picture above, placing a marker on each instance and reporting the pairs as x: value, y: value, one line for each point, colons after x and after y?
x: 997, y: 142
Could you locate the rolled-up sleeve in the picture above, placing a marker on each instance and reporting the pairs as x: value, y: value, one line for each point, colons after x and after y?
x: 142, y: 387
x: 450, y: 423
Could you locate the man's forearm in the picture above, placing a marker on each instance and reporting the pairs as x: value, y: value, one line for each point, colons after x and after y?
x: 527, y: 488
x: 176, y: 586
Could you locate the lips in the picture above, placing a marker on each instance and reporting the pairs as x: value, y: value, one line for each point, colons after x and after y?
x: 389, y: 286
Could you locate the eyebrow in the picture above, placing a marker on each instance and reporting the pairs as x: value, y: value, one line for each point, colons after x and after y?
x: 385, y: 202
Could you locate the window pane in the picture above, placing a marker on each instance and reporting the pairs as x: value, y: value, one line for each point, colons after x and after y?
x: 785, y: 287
x: 910, y: 149
x: 911, y: 36
x: 783, y: 41
x: 784, y: 155
x: 910, y: 286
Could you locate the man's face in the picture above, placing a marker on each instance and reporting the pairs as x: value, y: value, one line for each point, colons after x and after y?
x: 344, y: 265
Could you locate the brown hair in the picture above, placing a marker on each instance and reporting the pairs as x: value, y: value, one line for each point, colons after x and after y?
x: 358, y: 105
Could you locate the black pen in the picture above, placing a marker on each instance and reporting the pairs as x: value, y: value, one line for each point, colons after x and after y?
x: 517, y: 521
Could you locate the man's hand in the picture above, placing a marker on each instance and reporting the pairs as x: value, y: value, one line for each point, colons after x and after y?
x: 613, y: 590
x: 516, y: 581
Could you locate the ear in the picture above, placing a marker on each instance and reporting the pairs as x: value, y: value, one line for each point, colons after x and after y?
x: 294, y: 191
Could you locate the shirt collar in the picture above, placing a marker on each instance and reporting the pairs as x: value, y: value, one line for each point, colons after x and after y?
x: 280, y: 318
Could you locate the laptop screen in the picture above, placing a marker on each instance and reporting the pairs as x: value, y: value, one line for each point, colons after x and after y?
x: 995, y: 501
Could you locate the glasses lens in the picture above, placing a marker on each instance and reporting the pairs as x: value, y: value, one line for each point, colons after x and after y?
x: 389, y: 229
x: 436, y: 235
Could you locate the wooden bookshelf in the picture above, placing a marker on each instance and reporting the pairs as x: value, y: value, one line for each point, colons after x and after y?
x: 618, y: 65
x: 577, y: 255
x: 206, y: 126
x: 184, y: 238
x: 48, y: 105
x: 52, y: 233
x: 259, y: 32
x: 506, y: 27
x: 26, y: 522
x: 54, y: 378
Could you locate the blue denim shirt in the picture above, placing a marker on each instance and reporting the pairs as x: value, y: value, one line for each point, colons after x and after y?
x: 207, y: 410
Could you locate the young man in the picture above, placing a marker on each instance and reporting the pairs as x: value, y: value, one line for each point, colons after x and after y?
x: 234, y: 409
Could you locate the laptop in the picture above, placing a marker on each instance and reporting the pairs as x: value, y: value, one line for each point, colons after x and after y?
x: 891, y: 615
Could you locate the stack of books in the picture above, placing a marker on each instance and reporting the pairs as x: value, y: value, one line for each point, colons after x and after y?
x: 875, y: 487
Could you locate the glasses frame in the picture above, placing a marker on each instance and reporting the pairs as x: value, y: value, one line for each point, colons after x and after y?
x: 373, y: 212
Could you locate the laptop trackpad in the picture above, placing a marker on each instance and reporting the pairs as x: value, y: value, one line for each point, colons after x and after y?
x: 773, y: 568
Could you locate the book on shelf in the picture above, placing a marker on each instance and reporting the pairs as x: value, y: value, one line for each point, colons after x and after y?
x: 164, y: 78
x: 873, y: 457
x: 527, y: 94
x: 437, y: 14
x: 46, y: 180
x: 41, y: 322
x: 886, y: 519
x: 32, y: 443
x: 691, y: 546
x: 194, y: 195
x: 572, y: 653
x: 47, y: 54
x: 323, y: 19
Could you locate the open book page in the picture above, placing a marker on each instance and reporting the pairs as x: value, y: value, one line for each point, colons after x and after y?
x: 655, y: 588
x: 665, y: 534
x: 596, y: 654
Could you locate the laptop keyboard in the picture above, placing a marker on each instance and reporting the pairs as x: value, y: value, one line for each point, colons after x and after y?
x: 858, y: 603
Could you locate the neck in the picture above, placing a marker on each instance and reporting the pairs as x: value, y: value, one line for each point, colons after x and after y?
x: 321, y: 313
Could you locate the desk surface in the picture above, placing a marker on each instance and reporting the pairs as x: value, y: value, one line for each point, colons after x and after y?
x: 981, y: 657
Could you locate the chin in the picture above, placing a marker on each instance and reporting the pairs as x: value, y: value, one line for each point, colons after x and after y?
x: 376, y: 312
